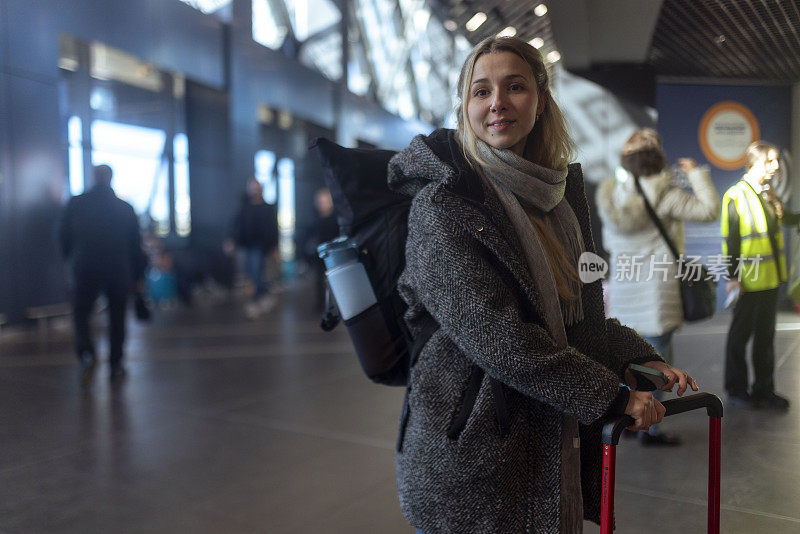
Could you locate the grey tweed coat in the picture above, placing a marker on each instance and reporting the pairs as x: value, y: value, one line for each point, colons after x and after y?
x: 481, y: 452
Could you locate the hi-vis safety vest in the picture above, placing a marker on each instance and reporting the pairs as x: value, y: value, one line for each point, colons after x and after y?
x: 756, y: 274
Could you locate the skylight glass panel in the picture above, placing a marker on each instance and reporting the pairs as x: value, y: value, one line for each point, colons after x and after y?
x: 207, y: 6
x: 324, y: 54
x: 267, y: 29
x: 358, y: 77
x: 388, y: 53
x: 410, y: 59
x: 309, y: 17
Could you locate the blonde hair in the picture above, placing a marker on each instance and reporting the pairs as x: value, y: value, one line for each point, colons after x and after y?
x: 549, y: 143
x: 755, y: 150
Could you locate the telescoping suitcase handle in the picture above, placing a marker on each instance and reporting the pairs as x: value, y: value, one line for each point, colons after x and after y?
x: 613, y: 429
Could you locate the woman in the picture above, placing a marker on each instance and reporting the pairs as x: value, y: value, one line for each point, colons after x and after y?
x: 644, y: 291
x: 523, y: 353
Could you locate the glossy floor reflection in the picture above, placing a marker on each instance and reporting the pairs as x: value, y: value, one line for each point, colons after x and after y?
x: 226, y: 425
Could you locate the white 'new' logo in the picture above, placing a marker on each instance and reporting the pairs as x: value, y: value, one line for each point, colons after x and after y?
x: 591, y: 267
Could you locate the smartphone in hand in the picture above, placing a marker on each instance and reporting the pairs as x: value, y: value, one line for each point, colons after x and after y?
x: 647, y: 378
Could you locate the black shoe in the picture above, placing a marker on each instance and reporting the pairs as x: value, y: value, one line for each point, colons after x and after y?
x: 771, y: 401
x: 88, y: 363
x: 741, y: 401
x: 117, y: 373
x: 660, y: 439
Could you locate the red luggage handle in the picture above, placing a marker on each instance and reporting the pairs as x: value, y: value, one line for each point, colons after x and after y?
x: 613, y: 429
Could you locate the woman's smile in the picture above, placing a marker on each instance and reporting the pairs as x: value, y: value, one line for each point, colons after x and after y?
x: 502, y: 125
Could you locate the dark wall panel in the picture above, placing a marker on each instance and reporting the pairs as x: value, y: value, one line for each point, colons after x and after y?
x: 6, y: 227
x: 36, y: 141
x: 34, y: 26
x: 212, y: 190
x: 243, y: 149
x: 39, y: 175
x: 186, y: 40
x: 261, y: 75
x: 169, y: 34
x: 3, y: 31
x: 129, y: 26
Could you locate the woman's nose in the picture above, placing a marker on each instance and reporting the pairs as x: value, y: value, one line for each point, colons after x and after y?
x: 498, y: 103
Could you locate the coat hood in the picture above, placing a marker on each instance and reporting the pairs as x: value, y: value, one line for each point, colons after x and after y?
x: 621, y: 206
x: 426, y: 159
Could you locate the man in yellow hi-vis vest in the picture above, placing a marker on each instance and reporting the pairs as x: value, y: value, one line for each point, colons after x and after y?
x: 752, y: 215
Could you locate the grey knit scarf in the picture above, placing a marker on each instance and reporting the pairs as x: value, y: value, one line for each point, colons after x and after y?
x: 521, y: 184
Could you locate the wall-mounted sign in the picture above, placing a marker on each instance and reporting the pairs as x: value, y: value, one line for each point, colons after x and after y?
x: 726, y: 129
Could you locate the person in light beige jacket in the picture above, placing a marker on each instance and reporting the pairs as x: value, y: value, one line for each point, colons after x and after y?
x: 644, y: 292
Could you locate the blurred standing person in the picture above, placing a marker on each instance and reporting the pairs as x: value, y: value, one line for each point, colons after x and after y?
x: 751, y: 217
x: 256, y: 232
x: 649, y: 301
x: 99, y: 235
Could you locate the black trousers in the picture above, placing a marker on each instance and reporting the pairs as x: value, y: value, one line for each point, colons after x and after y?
x: 753, y: 315
x: 86, y: 292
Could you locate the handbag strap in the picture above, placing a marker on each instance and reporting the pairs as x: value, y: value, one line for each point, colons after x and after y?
x: 652, y: 213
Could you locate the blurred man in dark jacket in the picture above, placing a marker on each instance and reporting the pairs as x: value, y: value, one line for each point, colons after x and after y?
x: 99, y: 235
x: 255, y: 231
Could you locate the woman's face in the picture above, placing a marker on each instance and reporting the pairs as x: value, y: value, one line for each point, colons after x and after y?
x: 503, y: 101
x: 767, y: 166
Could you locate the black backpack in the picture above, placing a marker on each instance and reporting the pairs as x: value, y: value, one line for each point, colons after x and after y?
x: 375, y: 218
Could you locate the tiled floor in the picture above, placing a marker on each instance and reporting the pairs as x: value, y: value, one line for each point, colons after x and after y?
x: 226, y: 425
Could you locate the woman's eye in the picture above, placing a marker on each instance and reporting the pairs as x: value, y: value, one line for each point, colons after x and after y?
x: 517, y: 87
x: 481, y: 92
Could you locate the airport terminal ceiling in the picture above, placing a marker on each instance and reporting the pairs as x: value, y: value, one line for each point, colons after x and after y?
x: 751, y: 39
x: 401, y: 56
x: 729, y: 39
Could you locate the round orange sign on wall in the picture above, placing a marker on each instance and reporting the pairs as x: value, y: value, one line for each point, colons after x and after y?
x: 726, y: 129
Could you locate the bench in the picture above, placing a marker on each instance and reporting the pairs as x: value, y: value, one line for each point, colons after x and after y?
x: 42, y: 314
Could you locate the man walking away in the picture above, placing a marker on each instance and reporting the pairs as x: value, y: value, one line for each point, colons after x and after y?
x: 99, y: 236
